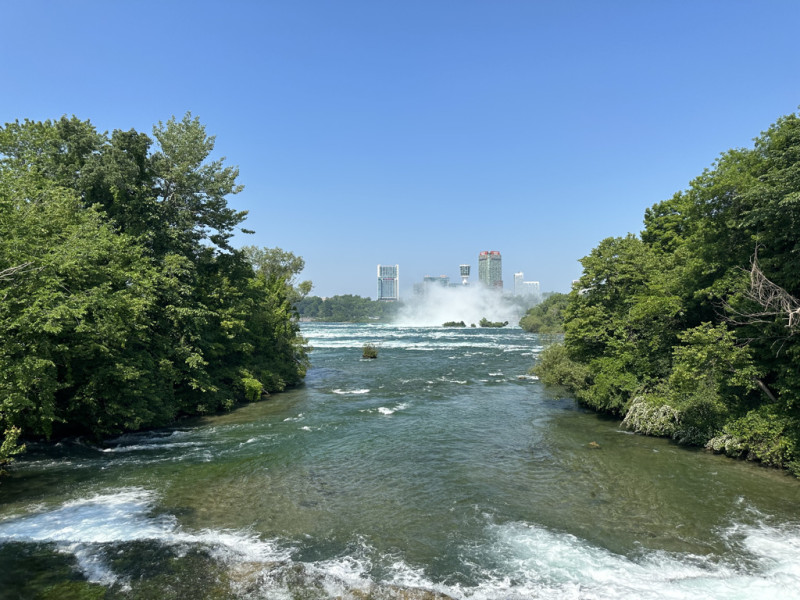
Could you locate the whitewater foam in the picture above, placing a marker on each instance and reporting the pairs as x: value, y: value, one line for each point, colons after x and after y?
x: 516, y: 560
x: 81, y: 527
x: 150, y: 447
x: 532, y: 562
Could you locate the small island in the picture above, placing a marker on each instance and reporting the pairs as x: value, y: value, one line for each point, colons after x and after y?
x: 484, y: 322
x: 454, y: 324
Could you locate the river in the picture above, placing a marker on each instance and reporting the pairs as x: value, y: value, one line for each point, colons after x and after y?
x: 439, y: 469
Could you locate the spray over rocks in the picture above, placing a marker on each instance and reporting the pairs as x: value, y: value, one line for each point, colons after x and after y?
x: 439, y: 305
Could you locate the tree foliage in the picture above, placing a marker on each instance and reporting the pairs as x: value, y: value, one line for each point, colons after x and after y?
x: 346, y: 309
x: 691, y: 328
x: 122, y: 303
x: 546, y: 317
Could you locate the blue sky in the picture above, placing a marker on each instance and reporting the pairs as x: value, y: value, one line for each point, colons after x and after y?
x: 420, y: 132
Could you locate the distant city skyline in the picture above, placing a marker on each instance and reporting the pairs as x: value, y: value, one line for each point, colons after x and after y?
x: 519, y: 287
x: 454, y: 273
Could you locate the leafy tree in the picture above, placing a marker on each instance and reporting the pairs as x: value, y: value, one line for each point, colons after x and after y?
x: 689, y: 330
x: 546, y: 317
x: 191, y: 191
x: 122, y: 302
x: 346, y: 309
x: 76, y: 322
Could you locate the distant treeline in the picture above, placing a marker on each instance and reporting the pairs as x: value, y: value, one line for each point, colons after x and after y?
x: 122, y: 303
x: 692, y: 329
x: 547, y: 317
x: 346, y: 309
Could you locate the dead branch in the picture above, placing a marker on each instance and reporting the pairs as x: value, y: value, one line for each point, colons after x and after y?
x: 775, y: 302
x: 9, y: 273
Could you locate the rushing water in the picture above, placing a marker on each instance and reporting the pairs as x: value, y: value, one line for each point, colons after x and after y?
x: 439, y: 468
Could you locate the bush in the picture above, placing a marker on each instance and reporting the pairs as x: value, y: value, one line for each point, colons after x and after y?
x: 694, y: 421
x: 546, y: 317
x: 651, y: 418
x: 484, y: 322
x: 556, y: 368
x: 454, y: 324
x: 10, y: 446
x: 252, y: 387
x: 764, y: 435
x: 369, y: 351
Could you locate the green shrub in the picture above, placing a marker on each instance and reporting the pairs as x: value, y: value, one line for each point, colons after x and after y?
x: 252, y: 388
x: 556, y: 368
x: 454, y: 324
x: 766, y: 435
x: 10, y: 446
x: 484, y: 322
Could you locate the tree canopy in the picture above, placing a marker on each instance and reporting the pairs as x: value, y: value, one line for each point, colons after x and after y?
x: 697, y: 318
x: 547, y: 316
x: 122, y: 303
x: 346, y: 308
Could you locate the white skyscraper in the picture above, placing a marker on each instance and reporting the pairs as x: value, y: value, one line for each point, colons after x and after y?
x: 518, y: 281
x: 525, y: 288
x: 530, y: 288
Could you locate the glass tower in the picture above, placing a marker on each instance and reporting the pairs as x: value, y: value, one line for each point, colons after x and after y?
x: 389, y: 282
x: 490, y: 269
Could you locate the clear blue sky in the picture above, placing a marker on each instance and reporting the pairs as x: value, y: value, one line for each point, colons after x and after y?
x: 421, y: 132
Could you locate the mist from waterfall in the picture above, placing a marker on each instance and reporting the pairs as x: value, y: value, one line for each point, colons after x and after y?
x: 462, y: 303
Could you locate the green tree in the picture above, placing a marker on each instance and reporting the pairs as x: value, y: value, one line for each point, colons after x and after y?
x: 122, y: 303
x: 546, y: 317
x: 75, y: 321
x: 690, y: 330
x: 346, y: 309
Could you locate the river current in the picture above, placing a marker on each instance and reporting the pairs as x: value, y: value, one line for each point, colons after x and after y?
x: 439, y: 469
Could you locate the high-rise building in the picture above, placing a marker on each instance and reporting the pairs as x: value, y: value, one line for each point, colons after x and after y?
x: 490, y: 269
x: 464, y: 274
x: 389, y: 282
x: 442, y: 280
x: 525, y: 288
x: 519, y: 279
x: 530, y: 288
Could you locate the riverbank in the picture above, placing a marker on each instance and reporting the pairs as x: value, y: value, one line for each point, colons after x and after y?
x: 763, y: 435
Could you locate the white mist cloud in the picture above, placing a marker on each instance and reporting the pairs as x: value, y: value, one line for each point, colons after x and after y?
x: 463, y: 303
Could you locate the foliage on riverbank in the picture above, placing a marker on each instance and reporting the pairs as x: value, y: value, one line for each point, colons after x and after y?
x: 346, y: 309
x: 546, y: 317
x: 122, y: 303
x: 691, y: 330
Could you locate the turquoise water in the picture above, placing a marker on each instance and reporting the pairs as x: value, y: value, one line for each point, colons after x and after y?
x: 438, y: 468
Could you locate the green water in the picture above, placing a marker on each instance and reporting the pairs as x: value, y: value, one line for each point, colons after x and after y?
x: 438, y: 467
